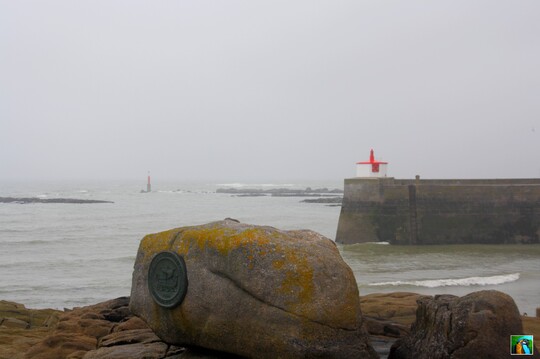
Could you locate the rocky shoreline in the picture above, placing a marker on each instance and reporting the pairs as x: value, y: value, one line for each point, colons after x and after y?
x: 110, y: 330
x: 259, y: 292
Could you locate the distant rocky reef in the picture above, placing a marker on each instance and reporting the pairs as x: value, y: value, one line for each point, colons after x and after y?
x: 323, y: 195
x: 330, y: 200
x: 281, y: 192
x: 27, y: 200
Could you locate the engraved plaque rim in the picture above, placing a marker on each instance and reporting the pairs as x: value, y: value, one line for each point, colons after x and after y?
x: 182, y: 280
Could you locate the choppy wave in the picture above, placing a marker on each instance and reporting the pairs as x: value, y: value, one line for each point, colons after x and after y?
x: 66, y: 262
x: 464, y: 282
x: 182, y: 191
x: 28, y: 242
x: 255, y: 185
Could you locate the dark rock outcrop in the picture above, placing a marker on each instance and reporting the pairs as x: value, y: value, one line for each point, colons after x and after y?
x: 477, y: 325
x: 333, y: 200
x: 256, y: 292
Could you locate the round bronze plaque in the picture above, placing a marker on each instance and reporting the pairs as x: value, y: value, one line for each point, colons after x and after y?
x: 167, y: 279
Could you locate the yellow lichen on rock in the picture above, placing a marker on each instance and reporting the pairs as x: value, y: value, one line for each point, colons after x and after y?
x: 222, y: 240
x: 274, y: 284
x: 298, y: 281
x: 158, y: 242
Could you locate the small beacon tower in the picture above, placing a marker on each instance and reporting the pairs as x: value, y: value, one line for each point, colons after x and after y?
x: 148, y: 185
x: 371, y: 168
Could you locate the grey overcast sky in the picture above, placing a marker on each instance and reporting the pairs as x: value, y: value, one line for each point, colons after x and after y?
x: 268, y: 90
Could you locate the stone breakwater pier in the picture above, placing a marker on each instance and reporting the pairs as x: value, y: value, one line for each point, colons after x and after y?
x: 420, y: 211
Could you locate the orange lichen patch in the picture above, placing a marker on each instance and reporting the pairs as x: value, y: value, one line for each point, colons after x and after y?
x: 298, y: 281
x: 158, y: 242
x: 278, y: 263
x: 255, y: 243
x: 222, y: 240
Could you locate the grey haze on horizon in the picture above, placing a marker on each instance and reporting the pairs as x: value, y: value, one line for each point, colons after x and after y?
x: 268, y: 90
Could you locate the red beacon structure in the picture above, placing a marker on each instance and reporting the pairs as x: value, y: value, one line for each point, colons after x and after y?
x: 371, y: 168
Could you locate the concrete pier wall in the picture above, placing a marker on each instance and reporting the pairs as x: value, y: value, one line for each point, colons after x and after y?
x: 440, y: 211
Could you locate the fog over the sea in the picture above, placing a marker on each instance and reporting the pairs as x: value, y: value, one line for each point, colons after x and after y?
x: 268, y: 90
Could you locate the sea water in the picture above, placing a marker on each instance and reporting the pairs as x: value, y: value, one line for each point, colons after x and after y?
x: 448, y: 269
x: 67, y: 255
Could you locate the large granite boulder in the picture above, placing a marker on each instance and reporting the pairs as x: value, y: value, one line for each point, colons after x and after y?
x: 477, y: 325
x: 252, y: 291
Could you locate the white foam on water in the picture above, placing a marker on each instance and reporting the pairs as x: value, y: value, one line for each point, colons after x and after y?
x: 464, y: 282
x: 235, y: 185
